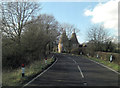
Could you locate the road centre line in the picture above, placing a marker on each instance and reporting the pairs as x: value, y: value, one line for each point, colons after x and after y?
x: 80, y: 71
x: 40, y: 74
x: 74, y: 61
x: 79, y: 68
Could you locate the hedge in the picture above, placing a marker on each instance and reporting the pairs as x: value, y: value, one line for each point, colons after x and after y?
x: 106, y: 56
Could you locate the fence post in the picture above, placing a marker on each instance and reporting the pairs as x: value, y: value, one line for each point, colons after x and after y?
x: 111, y: 59
x: 80, y: 53
x: 46, y: 60
x: 23, y: 70
x: 97, y: 56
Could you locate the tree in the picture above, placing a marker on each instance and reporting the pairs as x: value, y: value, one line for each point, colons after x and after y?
x: 51, y: 28
x: 15, y: 16
x: 43, y: 31
x: 110, y: 47
x: 98, y: 36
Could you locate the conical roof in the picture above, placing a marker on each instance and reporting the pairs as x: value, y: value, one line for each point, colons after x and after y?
x: 63, y: 37
x: 73, y: 39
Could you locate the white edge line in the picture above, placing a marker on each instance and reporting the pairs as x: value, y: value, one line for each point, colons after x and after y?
x: 104, y: 66
x: 40, y: 73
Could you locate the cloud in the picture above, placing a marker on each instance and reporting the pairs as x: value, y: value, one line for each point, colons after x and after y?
x: 106, y: 13
x: 79, y: 39
x: 78, y: 36
x: 115, y: 39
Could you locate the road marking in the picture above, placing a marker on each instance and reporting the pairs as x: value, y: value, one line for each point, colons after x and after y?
x: 40, y: 74
x: 105, y: 66
x: 80, y: 71
x: 78, y: 68
x: 74, y: 61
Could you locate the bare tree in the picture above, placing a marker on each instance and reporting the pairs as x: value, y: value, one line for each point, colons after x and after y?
x: 97, y: 35
x: 51, y: 28
x: 49, y: 25
x: 45, y: 30
x: 15, y: 16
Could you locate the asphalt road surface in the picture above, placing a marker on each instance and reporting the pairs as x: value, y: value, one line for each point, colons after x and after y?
x: 71, y: 70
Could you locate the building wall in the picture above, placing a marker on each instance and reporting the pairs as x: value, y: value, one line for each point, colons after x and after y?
x: 60, y: 46
x: 66, y: 45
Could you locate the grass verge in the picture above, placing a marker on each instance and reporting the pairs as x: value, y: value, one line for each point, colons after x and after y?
x: 14, y: 78
x: 112, y: 65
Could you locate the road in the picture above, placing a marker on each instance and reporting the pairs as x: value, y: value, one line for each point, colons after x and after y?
x: 71, y: 70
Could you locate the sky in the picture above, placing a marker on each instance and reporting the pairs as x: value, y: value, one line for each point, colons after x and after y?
x: 71, y: 13
x: 85, y: 14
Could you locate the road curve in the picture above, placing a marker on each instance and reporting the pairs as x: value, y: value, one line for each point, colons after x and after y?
x: 75, y: 71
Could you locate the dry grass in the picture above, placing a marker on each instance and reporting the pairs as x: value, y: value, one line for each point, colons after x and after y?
x: 14, y: 77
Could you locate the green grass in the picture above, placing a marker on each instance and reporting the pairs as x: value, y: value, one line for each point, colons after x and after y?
x: 14, y: 78
x: 112, y: 65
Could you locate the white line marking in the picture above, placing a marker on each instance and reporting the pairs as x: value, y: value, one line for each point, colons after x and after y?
x: 40, y: 73
x: 74, y: 61
x: 104, y: 66
x: 78, y: 68
x: 80, y: 72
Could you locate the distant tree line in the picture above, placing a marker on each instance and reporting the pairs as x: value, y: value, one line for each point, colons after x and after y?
x: 100, y: 40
